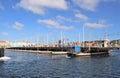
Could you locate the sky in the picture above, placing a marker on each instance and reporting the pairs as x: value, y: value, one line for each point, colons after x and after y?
x: 49, y: 20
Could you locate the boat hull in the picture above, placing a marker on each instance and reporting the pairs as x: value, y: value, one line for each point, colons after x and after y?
x: 86, y: 54
x: 59, y: 53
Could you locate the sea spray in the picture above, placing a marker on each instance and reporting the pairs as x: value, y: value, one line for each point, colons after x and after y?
x: 5, y: 58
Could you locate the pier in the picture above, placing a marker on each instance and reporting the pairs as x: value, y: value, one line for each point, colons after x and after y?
x: 42, y: 48
x: 1, y: 52
x: 60, y: 50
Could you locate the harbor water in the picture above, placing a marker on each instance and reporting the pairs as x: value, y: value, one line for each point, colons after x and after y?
x: 34, y: 65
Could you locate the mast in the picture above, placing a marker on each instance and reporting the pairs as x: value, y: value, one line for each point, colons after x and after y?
x: 79, y: 39
x: 47, y: 39
x: 83, y: 36
x: 79, y: 36
x: 37, y: 39
x: 61, y: 38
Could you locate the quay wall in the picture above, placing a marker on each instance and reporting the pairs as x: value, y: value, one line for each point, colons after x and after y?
x: 68, y: 49
x: 1, y: 52
x: 42, y: 48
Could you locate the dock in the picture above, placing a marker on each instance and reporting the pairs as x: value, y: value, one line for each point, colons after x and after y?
x: 1, y: 52
x: 43, y: 48
x: 63, y: 50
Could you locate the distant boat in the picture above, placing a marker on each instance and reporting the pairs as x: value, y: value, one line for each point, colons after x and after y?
x: 85, y: 54
x: 86, y: 51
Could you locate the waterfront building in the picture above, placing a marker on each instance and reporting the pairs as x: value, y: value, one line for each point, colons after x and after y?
x: 4, y: 44
x: 21, y: 44
x: 102, y: 43
x: 97, y: 43
x: 42, y: 45
x: 115, y: 43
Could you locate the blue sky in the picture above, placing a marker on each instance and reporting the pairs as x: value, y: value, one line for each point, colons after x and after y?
x: 39, y: 19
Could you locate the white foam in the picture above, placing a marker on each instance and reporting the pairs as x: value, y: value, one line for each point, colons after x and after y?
x: 67, y: 56
x: 5, y: 58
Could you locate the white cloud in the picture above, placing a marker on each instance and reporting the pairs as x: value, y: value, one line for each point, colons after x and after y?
x: 81, y: 16
x: 18, y: 26
x: 4, y: 33
x: 64, y: 18
x: 90, y: 5
x: 1, y: 7
x: 102, y: 21
x: 87, y: 4
x: 109, y: 0
x: 95, y: 25
x: 55, y: 24
x: 39, y: 6
x: 99, y: 24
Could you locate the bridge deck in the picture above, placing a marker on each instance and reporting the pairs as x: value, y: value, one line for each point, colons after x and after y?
x: 83, y: 49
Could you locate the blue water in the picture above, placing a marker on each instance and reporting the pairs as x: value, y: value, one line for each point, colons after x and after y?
x: 33, y: 65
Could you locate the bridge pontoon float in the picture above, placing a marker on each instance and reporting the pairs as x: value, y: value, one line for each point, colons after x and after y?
x: 87, y: 51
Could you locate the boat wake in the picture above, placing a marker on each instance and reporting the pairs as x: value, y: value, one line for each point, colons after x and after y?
x: 67, y: 56
x: 5, y: 58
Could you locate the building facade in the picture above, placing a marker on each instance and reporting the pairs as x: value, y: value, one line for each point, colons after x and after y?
x: 21, y: 44
x: 4, y: 44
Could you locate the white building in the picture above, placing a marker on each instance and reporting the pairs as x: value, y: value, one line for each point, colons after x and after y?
x: 21, y: 44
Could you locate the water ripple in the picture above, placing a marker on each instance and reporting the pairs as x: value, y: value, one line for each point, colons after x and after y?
x: 31, y: 65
